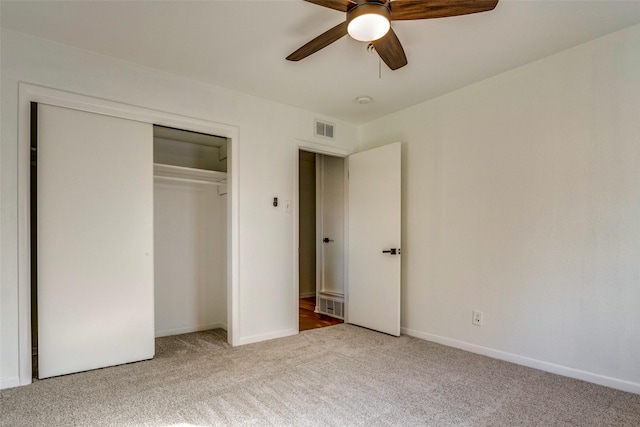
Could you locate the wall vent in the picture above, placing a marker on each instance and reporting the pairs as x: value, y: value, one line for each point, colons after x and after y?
x: 324, y: 129
x: 331, y: 307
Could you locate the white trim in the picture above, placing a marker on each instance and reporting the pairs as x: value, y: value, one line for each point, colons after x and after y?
x: 320, y: 276
x: 189, y: 329
x: 306, y: 295
x: 316, y: 147
x: 529, y: 362
x: 333, y: 296
x: 268, y: 336
x: 295, y: 307
x: 28, y: 93
x: 233, y: 240
x: 345, y: 296
x: 9, y: 382
x: 319, y: 174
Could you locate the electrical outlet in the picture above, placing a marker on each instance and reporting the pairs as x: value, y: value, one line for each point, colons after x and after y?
x: 477, y: 318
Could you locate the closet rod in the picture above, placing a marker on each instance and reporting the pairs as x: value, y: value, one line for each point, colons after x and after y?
x: 191, y: 180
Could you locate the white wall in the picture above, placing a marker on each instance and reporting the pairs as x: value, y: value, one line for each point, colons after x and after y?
x: 188, y: 155
x: 269, y: 134
x: 190, y: 260
x: 521, y: 198
x: 307, y: 220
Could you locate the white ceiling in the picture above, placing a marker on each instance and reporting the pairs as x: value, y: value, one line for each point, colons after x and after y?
x: 242, y: 45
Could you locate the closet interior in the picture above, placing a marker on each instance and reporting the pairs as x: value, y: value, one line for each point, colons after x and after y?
x: 190, y: 231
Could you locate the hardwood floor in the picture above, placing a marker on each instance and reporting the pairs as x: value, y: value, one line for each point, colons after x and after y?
x: 311, y: 320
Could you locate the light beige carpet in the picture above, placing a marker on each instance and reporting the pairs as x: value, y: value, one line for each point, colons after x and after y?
x: 336, y: 376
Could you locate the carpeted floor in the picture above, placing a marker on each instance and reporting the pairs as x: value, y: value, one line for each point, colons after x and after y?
x: 336, y: 376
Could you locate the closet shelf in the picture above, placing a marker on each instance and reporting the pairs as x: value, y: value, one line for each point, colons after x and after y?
x: 181, y: 172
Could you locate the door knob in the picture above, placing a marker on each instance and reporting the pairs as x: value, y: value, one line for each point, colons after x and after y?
x: 327, y: 240
x: 392, y: 251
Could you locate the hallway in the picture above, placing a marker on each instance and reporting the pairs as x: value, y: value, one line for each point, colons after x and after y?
x: 311, y: 320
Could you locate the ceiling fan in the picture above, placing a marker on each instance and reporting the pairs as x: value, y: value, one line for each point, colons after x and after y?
x: 370, y: 21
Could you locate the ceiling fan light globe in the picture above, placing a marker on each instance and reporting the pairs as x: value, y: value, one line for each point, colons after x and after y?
x: 368, y: 27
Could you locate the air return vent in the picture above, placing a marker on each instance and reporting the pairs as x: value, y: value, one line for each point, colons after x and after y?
x: 331, y: 306
x: 324, y: 129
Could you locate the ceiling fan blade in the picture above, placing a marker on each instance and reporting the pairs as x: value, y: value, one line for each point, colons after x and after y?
x: 424, y: 9
x: 390, y: 50
x: 341, y: 5
x: 323, y: 40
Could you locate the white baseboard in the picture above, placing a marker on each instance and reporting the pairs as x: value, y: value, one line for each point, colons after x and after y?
x: 336, y: 295
x: 189, y: 329
x: 307, y: 294
x: 269, y: 336
x: 9, y: 382
x: 529, y: 362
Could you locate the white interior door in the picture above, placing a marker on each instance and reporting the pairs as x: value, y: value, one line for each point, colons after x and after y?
x: 95, y: 241
x: 374, y: 227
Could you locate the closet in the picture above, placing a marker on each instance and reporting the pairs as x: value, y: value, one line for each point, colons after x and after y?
x: 128, y: 237
x: 190, y: 231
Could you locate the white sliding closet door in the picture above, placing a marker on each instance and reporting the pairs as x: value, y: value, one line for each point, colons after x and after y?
x: 95, y: 241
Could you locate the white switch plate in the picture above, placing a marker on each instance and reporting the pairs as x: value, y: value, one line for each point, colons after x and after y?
x: 477, y: 318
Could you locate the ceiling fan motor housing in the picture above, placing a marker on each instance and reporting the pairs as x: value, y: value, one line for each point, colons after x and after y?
x: 374, y: 8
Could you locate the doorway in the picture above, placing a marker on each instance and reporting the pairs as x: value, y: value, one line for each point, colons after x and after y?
x: 321, y: 208
x: 190, y: 231
x: 372, y: 222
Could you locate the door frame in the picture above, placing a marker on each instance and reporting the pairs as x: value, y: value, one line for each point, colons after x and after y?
x: 28, y: 93
x: 316, y: 148
x: 321, y: 232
